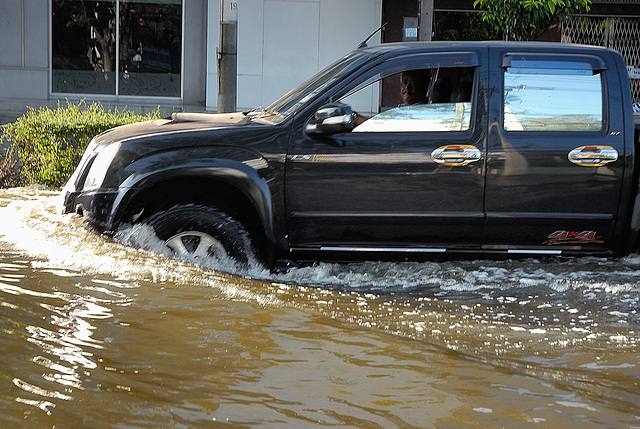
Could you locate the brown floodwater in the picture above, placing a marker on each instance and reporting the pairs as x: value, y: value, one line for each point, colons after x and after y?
x: 102, y: 333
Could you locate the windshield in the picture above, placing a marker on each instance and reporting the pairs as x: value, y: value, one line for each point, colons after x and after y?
x: 299, y: 96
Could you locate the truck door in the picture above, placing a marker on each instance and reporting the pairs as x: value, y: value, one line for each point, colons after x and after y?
x: 408, y: 179
x: 555, y: 156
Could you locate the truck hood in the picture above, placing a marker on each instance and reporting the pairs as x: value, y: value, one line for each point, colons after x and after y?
x: 179, y: 122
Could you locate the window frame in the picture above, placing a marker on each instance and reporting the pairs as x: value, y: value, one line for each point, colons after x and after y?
x: 116, y: 96
x: 422, y: 61
x: 587, y: 62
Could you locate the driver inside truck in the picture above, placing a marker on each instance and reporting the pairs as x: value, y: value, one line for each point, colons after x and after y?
x: 414, y: 85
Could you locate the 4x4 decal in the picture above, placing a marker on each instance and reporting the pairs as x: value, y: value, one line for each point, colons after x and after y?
x: 579, y: 237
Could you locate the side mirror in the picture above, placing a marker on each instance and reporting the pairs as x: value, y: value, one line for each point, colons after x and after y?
x: 331, y: 119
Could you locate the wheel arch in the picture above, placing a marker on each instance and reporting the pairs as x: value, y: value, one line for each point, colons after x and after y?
x: 230, y: 186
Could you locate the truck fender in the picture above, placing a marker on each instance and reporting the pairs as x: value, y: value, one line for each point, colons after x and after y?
x: 237, y: 174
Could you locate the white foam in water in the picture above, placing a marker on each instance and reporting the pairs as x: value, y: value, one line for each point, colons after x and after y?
x: 632, y: 260
x: 30, y: 220
x: 514, y: 306
x: 143, y: 236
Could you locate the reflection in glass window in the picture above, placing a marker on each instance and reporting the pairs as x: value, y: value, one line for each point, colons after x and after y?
x: 150, y: 47
x: 146, y: 62
x: 552, y: 100
x: 83, y: 46
x: 422, y: 100
x: 420, y: 117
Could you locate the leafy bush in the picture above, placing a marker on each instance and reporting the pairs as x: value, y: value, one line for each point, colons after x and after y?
x: 49, y: 143
x: 11, y: 174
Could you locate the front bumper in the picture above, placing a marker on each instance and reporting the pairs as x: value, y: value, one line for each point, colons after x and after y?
x: 96, y: 207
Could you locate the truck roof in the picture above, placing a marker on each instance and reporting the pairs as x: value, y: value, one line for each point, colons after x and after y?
x: 421, y: 46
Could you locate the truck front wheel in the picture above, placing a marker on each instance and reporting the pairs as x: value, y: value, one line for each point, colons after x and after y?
x: 200, y: 231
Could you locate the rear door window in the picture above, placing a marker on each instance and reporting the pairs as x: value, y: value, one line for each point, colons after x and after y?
x: 552, y: 94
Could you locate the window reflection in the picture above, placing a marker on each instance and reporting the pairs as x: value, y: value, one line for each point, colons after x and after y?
x: 148, y: 58
x: 420, y: 118
x: 150, y: 48
x: 84, y: 50
x: 425, y: 100
x: 552, y: 100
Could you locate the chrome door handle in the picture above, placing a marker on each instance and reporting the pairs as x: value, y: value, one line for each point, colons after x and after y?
x: 456, y: 155
x: 593, y: 156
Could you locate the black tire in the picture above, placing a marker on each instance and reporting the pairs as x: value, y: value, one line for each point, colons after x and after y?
x: 200, y: 231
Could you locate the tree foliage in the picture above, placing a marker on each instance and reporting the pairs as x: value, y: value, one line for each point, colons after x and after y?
x: 526, y: 19
x: 99, y: 19
x: 463, y: 26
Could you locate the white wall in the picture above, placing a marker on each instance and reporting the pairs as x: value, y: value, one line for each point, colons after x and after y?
x: 24, y: 57
x: 281, y: 43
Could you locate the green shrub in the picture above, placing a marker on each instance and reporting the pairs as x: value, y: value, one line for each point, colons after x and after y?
x: 11, y: 174
x: 49, y: 143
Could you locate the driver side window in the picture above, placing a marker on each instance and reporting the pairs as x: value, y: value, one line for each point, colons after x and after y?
x: 415, y: 100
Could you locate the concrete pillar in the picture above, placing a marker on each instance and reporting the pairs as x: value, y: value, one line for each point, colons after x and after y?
x: 228, y: 57
x: 426, y: 20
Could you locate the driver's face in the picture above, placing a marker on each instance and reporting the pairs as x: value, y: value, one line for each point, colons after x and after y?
x: 412, y: 89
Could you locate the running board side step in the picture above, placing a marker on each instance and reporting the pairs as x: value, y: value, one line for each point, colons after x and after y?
x: 382, y: 249
x: 426, y: 250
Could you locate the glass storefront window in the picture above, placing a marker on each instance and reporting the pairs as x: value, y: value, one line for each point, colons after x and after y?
x: 150, y: 48
x: 83, y: 49
x: 146, y: 61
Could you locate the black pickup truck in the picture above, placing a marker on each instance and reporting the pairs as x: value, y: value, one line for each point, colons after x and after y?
x: 514, y: 148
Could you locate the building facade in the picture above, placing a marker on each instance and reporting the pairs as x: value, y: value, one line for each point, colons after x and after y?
x: 141, y: 54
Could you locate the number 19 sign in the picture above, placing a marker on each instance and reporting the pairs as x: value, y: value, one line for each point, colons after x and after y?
x: 229, y: 11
